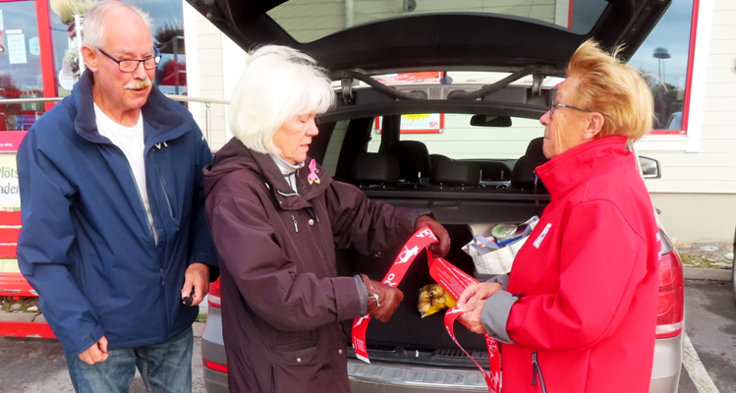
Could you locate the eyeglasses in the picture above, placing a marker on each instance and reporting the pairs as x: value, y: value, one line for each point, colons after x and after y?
x: 557, y: 105
x: 130, y: 65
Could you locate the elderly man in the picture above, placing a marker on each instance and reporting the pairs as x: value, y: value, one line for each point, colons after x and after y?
x: 114, y: 236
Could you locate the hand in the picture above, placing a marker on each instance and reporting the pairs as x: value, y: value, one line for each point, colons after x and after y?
x: 196, y: 283
x: 437, y: 249
x: 471, y: 318
x: 97, y: 353
x: 383, y: 299
x: 477, y: 293
x: 472, y: 300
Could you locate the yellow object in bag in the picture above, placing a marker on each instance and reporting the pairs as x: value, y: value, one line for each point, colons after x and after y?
x: 433, y: 298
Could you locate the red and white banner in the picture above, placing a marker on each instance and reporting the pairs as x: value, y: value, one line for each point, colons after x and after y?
x: 417, y: 243
x: 454, y: 281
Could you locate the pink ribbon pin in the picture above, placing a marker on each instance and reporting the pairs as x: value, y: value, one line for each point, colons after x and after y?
x: 312, y: 177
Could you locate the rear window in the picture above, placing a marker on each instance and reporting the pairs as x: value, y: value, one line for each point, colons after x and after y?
x: 310, y: 20
x: 457, y: 139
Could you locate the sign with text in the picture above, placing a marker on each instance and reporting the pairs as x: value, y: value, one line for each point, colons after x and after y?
x: 418, y: 123
x: 9, y: 193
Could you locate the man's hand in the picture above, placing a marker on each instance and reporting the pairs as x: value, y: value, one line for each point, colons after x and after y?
x: 97, y: 353
x: 437, y: 249
x: 196, y: 283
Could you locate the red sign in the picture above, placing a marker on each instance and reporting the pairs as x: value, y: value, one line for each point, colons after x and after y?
x: 10, y: 141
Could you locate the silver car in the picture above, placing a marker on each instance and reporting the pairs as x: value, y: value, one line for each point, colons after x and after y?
x: 433, y: 82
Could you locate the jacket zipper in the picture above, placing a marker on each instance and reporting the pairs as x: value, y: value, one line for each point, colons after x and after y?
x: 537, y: 371
x: 296, y: 227
x: 162, y: 269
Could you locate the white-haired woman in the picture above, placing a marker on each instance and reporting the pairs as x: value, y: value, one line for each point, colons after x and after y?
x: 276, y: 218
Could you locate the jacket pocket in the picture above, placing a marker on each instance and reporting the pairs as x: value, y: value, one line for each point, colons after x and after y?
x: 297, y: 351
x: 167, y: 198
x: 297, y: 364
x: 537, y: 377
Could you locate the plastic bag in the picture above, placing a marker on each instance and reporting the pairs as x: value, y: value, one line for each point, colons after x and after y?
x: 495, y: 254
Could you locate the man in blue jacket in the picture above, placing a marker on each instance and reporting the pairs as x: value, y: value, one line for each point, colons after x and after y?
x: 114, y: 235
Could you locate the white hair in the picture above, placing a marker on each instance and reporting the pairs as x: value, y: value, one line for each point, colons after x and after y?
x: 278, y: 83
x: 93, y: 26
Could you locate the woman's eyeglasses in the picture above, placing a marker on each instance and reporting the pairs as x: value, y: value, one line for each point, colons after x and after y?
x: 557, y: 105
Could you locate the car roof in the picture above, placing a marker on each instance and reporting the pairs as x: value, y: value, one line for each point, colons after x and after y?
x: 501, y: 35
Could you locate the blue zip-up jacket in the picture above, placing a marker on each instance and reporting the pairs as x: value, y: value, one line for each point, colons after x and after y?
x: 86, y: 245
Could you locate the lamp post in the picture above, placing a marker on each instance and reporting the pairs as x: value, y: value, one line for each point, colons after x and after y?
x: 661, y: 54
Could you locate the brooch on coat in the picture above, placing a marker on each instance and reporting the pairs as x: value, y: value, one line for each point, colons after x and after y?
x: 312, y: 177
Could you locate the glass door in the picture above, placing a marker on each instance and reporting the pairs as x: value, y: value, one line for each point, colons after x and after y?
x: 24, y: 67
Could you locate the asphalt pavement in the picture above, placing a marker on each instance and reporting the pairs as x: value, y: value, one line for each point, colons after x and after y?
x: 35, y: 365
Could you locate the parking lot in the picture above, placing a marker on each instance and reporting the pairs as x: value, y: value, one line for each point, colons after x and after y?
x: 38, y: 365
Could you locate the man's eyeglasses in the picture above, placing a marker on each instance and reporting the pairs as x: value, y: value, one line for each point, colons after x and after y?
x: 130, y: 65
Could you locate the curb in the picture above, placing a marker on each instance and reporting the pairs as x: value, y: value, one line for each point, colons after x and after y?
x: 699, y: 273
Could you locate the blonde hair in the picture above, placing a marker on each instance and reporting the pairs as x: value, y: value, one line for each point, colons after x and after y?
x: 278, y: 83
x: 616, y: 90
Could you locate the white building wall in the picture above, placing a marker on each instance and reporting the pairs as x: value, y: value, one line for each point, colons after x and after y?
x: 204, y: 46
x: 697, y: 191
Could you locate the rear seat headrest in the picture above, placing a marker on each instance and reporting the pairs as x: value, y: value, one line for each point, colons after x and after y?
x: 456, y: 173
x: 494, y: 170
x: 413, y: 159
x: 376, y: 168
x: 523, y: 176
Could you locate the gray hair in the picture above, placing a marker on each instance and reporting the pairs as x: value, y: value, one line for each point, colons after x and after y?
x: 93, y: 26
x: 278, y: 83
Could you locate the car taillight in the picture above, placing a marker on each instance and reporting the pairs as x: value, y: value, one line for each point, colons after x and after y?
x: 213, y: 299
x: 214, y: 366
x: 671, y: 301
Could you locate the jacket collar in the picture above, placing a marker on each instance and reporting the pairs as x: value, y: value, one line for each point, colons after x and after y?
x: 162, y: 122
x: 235, y: 156
x: 287, y: 197
x: 573, y: 167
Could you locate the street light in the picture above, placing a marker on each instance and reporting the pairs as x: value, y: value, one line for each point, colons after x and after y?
x: 661, y: 54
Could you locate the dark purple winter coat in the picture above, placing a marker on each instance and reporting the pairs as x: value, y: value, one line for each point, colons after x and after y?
x: 282, y: 301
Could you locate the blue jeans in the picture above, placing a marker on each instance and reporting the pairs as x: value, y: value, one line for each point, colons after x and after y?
x: 165, y: 368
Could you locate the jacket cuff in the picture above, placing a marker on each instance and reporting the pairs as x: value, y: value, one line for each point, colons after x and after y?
x: 502, y: 279
x: 347, y: 298
x: 85, y: 341
x: 362, y: 293
x: 418, y: 213
x: 495, y: 315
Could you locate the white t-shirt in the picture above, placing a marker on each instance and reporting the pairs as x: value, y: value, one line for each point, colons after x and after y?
x: 130, y: 141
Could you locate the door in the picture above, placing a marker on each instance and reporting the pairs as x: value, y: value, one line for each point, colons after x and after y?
x: 26, y: 69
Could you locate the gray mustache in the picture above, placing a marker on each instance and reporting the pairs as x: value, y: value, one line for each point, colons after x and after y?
x: 138, y: 84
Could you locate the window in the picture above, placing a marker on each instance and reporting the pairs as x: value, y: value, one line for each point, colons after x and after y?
x: 168, y: 35
x: 20, y: 64
x: 665, y: 58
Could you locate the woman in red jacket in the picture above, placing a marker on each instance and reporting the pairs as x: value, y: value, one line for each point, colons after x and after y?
x: 578, y: 311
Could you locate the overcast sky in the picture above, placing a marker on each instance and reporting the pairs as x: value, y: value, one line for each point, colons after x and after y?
x: 672, y: 33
